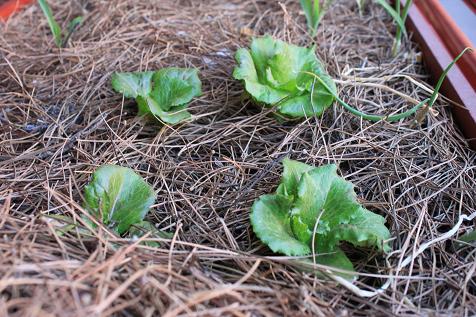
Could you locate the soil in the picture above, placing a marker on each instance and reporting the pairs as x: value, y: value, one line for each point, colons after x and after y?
x: 60, y: 120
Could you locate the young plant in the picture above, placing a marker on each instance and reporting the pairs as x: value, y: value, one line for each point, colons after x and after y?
x: 279, y: 74
x: 403, y: 14
x: 312, y: 211
x: 314, y: 12
x: 361, y: 4
x: 164, y: 94
x: 399, y: 17
x: 118, y: 197
x: 60, y: 38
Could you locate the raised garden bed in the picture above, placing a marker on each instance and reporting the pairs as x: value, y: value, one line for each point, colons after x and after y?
x: 60, y: 119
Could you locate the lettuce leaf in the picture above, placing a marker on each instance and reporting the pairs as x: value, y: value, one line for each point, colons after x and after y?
x: 164, y: 94
x: 118, y: 196
x: 277, y: 73
x: 286, y: 220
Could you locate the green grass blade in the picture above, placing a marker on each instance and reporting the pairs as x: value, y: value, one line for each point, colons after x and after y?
x: 468, y: 237
x: 406, y: 8
x: 398, y: 37
x: 444, y: 74
x: 312, y: 11
x: 394, y: 14
x: 55, y: 28
x: 74, y: 23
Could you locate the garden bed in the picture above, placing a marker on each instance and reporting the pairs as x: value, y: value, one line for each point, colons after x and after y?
x: 60, y: 120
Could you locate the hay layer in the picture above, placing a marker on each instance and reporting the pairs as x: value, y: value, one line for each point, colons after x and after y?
x: 60, y: 120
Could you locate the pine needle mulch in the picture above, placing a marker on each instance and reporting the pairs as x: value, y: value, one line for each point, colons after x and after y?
x: 60, y: 120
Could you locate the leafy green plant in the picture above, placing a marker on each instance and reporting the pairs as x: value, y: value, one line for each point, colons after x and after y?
x: 314, y: 12
x: 277, y: 73
x: 163, y: 94
x: 312, y: 211
x: 118, y: 197
x: 60, y: 38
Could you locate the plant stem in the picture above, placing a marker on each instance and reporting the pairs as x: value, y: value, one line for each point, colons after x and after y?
x: 370, y: 117
x: 444, y: 74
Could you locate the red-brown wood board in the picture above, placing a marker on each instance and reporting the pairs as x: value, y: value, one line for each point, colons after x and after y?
x: 441, y: 40
x: 7, y: 8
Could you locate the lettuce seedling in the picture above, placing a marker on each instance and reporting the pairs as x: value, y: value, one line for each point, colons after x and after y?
x: 278, y: 73
x: 312, y: 211
x: 163, y: 94
x: 118, y: 196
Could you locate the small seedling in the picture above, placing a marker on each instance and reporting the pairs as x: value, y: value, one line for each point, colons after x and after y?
x: 118, y: 196
x: 60, y: 38
x: 403, y: 14
x: 361, y: 4
x: 312, y: 211
x: 120, y: 199
x: 399, y: 16
x: 164, y: 94
x: 314, y: 12
x: 278, y: 73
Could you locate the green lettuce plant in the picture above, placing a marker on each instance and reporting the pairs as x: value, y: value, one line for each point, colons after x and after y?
x: 118, y: 196
x: 164, y: 94
x: 279, y: 74
x: 311, y: 212
x: 120, y: 199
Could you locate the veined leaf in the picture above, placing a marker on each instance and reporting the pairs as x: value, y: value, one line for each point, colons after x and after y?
x: 292, y: 172
x: 174, y: 116
x: 286, y: 221
x: 134, y: 84
x: 278, y: 73
x: 175, y: 87
x: 118, y: 196
x: 271, y: 224
x: 164, y: 93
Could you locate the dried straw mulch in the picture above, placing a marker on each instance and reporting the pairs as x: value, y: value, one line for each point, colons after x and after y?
x: 60, y: 120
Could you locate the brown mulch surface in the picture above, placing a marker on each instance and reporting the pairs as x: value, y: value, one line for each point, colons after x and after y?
x: 60, y: 120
